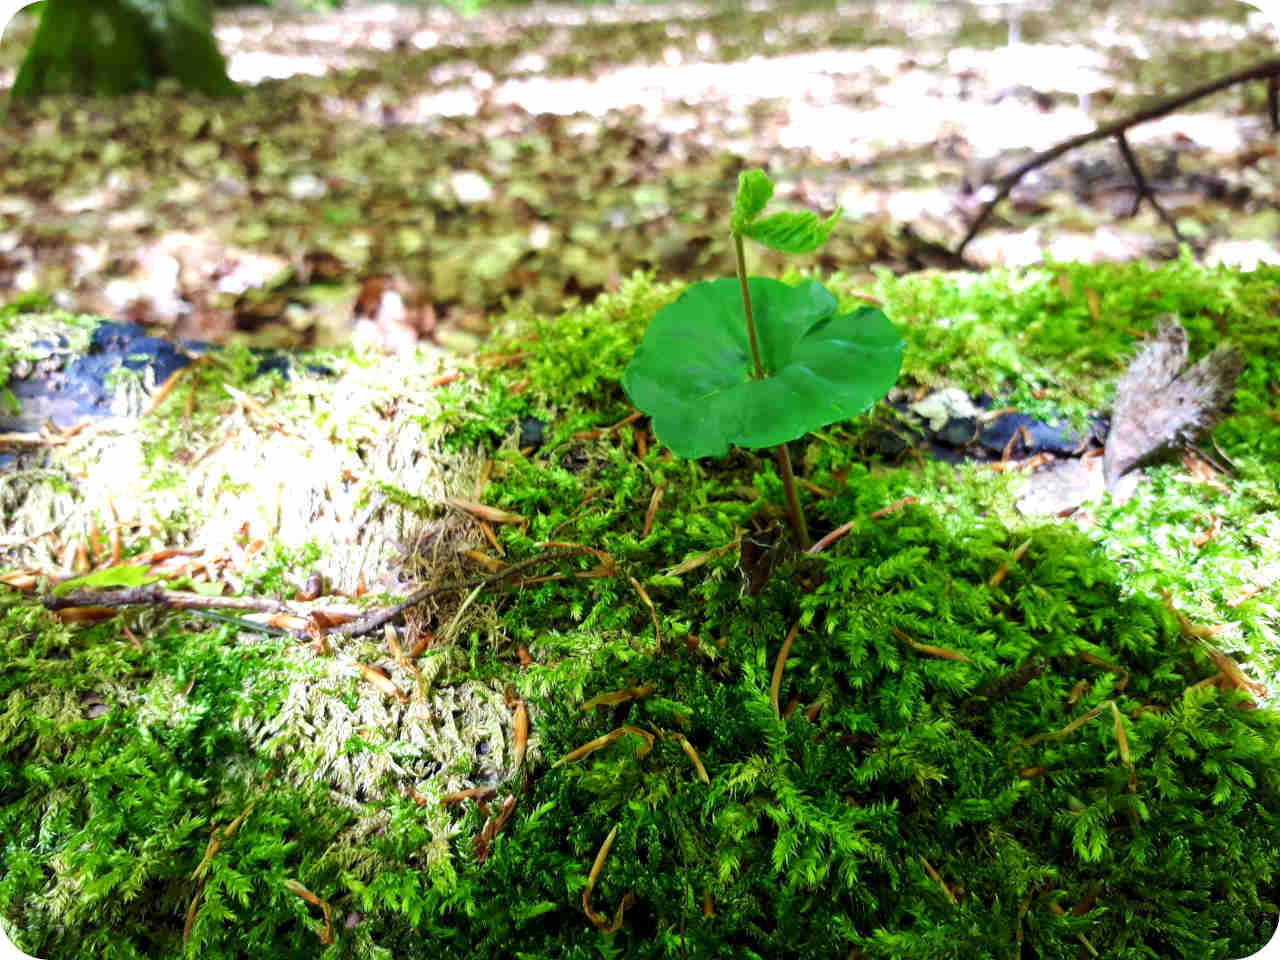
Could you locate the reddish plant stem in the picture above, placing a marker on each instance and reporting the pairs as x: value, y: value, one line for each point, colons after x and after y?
x: 798, y: 526
x: 741, y: 257
x: 793, y: 502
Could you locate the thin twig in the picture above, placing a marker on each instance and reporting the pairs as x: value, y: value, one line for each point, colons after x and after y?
x: 1268, y: 70
x: 157, y: 595
x: 1143, y: 189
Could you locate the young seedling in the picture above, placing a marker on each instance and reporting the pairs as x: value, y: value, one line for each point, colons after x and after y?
x: 707, y: 379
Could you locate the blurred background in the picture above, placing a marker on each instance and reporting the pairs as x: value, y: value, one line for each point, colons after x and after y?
x: 393, y: 172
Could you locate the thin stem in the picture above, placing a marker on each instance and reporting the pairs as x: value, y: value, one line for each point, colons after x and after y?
x: 793, y: 502
x: 741, y: 257
x: 780, y: 451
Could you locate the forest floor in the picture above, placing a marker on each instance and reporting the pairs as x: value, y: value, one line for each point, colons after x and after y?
x: 447, y: 188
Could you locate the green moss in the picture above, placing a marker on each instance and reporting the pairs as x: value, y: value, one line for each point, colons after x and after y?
x: 820, y: 832
x: 274, y: 572
x: 117, y: 801
x: 813, y: 834
x: 1042, y: 348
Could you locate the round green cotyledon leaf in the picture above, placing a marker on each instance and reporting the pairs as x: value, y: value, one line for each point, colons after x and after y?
x: 693, y: 372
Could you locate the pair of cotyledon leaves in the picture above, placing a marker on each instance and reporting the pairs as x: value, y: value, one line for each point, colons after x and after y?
x: 694, y: 373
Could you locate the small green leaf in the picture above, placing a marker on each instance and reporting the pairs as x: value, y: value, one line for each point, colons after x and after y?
x: 754, y: 191
x: 123, y: 577
x: 792, y: 232
x: 692, y: 373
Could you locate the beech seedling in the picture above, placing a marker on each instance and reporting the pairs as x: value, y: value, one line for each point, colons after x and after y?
x: 756, y: 362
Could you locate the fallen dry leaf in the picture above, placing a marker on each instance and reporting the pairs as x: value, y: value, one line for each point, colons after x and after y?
x: 1158, y: 407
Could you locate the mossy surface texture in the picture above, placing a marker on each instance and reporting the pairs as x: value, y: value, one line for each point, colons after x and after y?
x: 990, y: 737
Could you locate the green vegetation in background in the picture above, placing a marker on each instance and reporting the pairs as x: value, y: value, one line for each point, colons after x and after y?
x: 113, y: 47
x: 909, y: 805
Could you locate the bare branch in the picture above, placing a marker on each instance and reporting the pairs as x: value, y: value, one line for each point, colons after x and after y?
x: 360, y: 621
x: 1143, y: 189
x: 1268, y: 70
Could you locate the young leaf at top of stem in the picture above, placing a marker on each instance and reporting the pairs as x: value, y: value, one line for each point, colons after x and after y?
x: 754, y: 191
x: 792, y: 232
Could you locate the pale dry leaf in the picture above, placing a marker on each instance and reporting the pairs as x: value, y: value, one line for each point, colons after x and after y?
x: 1158, y: 409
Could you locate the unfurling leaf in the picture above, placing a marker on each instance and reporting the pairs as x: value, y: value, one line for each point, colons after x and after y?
x: 754, y: 191
x: 792, y: 232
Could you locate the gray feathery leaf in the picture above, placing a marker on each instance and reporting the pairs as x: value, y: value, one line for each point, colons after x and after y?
x: 1157, y: 409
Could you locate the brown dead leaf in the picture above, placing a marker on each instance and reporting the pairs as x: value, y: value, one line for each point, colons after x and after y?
x: 378, y: 677
x: 599, y: 743
x: 655, y: 501
x: 600, y: 921
x: 1203, y: 471
x: 493, y: 827
x: 482, y: 512
x: 692, y: 754
x: 299, y: 890
x: 928, y: 648
x: 85, y: 614
x: 479, y: 794
x: 619, y: 696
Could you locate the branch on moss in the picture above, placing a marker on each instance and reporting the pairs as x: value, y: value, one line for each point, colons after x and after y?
x: 360, y: 621
x: 156, y: 595
x: 1268, y: 70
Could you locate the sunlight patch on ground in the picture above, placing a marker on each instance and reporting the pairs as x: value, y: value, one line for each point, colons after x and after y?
x: 1206, y: 130
x: 1069, y: 67
x: 253, y: 68
x: 653, y: 86
x: 1026, y: 248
